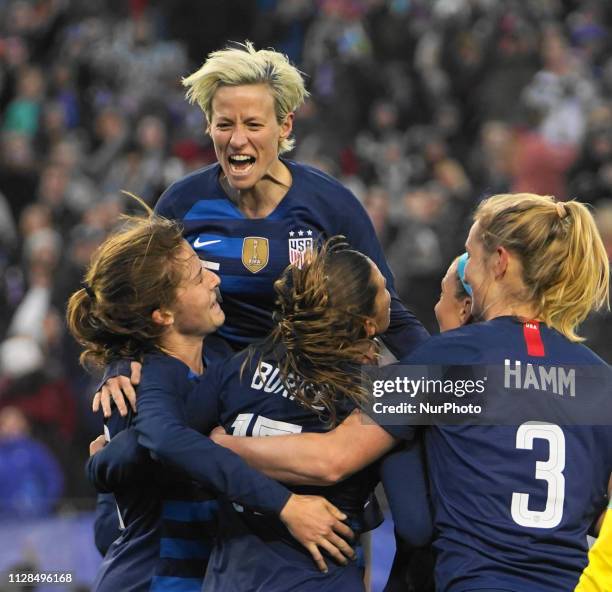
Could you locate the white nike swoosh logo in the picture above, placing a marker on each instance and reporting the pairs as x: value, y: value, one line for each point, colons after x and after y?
x: 197, y: 242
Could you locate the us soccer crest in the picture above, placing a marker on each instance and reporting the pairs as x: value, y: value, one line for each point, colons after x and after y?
x: 299, y: 247
x: 255, y: 253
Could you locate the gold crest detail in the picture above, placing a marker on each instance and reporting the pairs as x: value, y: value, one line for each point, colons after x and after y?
x: 255, y: 253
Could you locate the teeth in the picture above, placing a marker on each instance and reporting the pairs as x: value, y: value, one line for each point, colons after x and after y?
x: 241, y: 157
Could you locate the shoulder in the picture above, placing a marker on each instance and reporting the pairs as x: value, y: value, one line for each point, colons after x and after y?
x: 181, y: 194
x: 159, y: 369
x: 320, y: 184
x: 470, y: 344
x: 222, y: 370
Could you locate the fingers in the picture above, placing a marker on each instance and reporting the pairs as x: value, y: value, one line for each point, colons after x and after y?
x: 333, y: 551
x: 317, y: 557
x: 97, y: 445
x: 121, y: 388
x: 105, y: 400
x: 335, y: 512
x: 128, y: 389
x: 344, y: 531
x: 95, y: 405
x: 343, y: 547
x: 135, y: 378
x: 116, y: 389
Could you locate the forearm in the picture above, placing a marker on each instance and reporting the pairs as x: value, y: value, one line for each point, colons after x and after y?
x: 212, y: 466
x: 404, y: 478
x: 314, y: 459
x: 296, y: 460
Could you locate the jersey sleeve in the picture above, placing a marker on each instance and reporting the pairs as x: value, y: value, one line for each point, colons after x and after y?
x: 120, y: 463
x: 165, y: 204
x: 201, y: 402
x: 402, y: 473
x: 106, y: 525
x: 405, y: 331
x: 162, y: 428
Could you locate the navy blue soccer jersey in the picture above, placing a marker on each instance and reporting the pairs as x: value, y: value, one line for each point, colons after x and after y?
x: 250, y: 254
x: 169, y: 521
x: 255, y: 552
x: 168, y: 518
x: 513, y: 503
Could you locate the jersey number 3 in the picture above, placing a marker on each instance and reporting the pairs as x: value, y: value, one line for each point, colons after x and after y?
x: 550, y: 471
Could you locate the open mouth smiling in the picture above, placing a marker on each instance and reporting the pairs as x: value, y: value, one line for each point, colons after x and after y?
x: 241, y: 162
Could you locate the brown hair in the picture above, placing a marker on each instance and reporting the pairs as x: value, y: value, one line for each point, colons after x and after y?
x: 132, y: 273
x: 564, y: 264
x: 320, y: 337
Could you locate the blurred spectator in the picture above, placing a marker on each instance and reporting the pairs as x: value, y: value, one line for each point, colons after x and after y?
x: 31, y: 480
x: 37, y: 389
x: 18, y: 171
x: 598, y: 327
x: 540, y: 166
x: 23, y: 113
x: 417, y: 257
x: 378, y: 206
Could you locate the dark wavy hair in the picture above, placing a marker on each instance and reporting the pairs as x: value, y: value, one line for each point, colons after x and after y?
x: 319, y: 338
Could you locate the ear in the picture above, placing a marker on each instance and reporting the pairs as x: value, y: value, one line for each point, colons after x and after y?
x: 162, y: 317
x: 370, y: 327
x: 465, y: 310
x: 287, y: 125
x: 502, y: 258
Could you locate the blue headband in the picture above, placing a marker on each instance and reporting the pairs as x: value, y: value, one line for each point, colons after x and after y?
x: 461, y: 273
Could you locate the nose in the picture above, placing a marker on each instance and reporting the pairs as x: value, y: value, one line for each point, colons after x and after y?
x: 213, y: 279
x: 238, y: 137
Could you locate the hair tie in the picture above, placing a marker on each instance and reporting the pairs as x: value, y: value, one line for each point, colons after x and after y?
x: 461, y: 273
x: 88, y: 289
x: 561, y: 209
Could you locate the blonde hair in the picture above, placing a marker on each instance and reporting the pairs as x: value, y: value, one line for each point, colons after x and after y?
x: 237, y: 66
x: 134, y: 272
x: 565, y: 267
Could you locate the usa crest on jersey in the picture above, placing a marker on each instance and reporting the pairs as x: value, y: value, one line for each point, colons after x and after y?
x: 255, y: 253
x: 299, y: 246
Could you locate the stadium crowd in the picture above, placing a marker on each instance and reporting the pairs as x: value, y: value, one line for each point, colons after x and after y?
x: 421, y: 107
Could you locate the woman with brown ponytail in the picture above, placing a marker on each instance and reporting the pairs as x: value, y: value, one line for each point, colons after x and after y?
x: 513, y: 499
x: 148, y: 296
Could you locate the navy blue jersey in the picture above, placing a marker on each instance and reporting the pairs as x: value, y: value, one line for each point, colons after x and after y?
x: 254, y: 551
x: 168, y: 518
x: 250, y: 254
x: 513, y: 504
x: 169, y: 522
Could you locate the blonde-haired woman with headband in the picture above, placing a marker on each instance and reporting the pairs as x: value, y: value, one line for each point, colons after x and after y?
x: 513, y: 503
